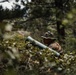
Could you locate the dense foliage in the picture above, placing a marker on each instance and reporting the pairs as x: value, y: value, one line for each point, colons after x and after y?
x: 16, y: 12
x: 21, y: 57
x: 27, y: 59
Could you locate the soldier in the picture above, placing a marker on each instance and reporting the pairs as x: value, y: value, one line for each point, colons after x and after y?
x: 50, y: 40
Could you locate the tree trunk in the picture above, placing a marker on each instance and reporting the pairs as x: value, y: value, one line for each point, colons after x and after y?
x: 59, y: 17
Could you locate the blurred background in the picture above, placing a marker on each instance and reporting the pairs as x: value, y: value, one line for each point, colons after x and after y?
x: 22, y: 18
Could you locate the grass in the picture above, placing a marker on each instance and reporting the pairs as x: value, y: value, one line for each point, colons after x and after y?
x: 10, y: 72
